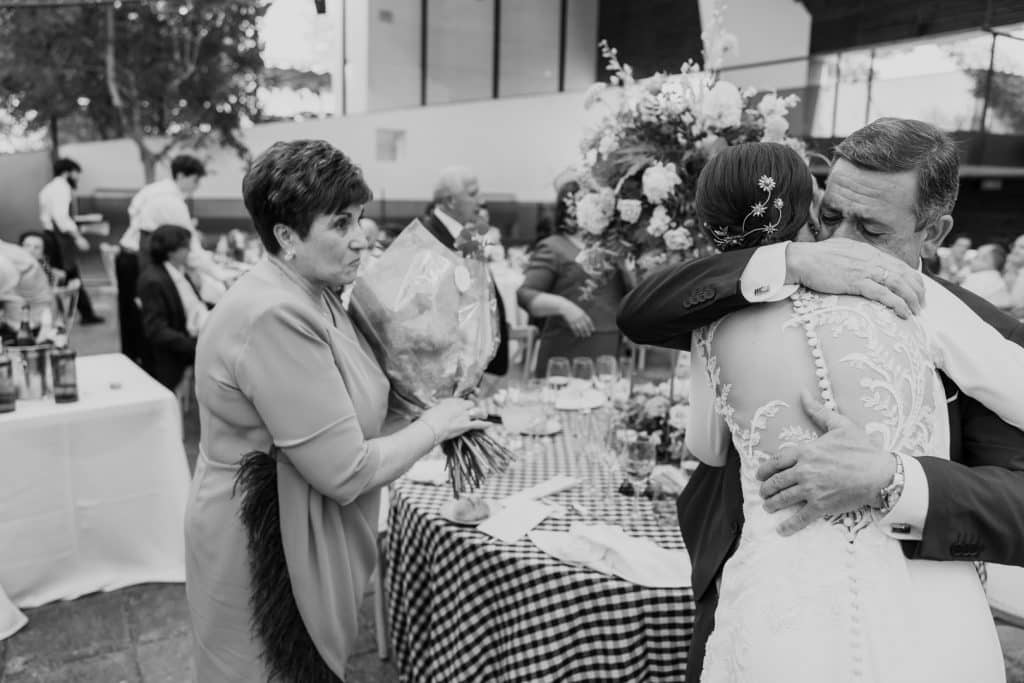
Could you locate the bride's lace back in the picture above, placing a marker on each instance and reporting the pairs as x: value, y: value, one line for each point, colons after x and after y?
x: 835, y: 582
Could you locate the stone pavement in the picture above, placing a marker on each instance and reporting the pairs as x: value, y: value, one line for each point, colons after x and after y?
x: 136, y: 635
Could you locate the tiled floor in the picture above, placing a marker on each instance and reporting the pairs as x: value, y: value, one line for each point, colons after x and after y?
x: 141, y: 634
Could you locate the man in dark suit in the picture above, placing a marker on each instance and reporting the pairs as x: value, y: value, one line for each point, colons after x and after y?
x: 456, y: 208
x: 973, y: 504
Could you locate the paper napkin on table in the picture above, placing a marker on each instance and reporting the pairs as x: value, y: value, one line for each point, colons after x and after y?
x: 428, y: 471
x: 548, y: 487
x: 610, y: 550
x: 514, y: 518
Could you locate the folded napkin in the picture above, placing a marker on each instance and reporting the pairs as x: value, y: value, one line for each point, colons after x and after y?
x: 610, y: 550
x: 11, y: 618
x: 428, y: 471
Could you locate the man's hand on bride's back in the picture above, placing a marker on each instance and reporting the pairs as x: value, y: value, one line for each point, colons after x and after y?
x: 842, y: 470
x: 844, y: 266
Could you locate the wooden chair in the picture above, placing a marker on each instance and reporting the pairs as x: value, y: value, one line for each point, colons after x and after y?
x: 65, y: 299
x: 108, y: 255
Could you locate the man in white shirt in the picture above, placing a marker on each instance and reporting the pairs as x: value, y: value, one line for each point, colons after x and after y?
x: 164, y: 202
x: 986, y: 276
x: 61, y: 235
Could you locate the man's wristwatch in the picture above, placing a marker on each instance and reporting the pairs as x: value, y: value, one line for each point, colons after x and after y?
x: 891, y: 494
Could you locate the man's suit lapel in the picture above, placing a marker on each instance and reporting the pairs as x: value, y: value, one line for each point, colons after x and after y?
x: 436, y: 228
x: 177, y: 306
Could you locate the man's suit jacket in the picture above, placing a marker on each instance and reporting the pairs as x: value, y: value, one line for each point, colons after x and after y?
x: 499, y: 365
x: 164, y: 325
x: 976, y: 500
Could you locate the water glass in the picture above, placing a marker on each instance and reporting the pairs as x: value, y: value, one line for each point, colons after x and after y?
x: 606, y: 369
x: 638, y: 459
x: 558, y: 373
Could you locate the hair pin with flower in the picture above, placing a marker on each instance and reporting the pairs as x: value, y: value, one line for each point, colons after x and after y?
x: 761, y: 209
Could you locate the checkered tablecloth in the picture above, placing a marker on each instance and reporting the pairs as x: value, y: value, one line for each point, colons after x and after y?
x: 466, y: 607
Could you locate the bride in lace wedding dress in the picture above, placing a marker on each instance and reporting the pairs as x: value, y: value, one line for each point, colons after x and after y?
x: 837, y: 601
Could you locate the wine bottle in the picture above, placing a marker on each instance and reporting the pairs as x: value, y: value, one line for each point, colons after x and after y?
x: 25, y: 336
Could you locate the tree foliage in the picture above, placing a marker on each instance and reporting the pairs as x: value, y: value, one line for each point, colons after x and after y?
x: 180, y: 72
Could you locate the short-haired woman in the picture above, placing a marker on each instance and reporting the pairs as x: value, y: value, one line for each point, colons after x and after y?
x: 172, y: 312
x: 281, y: 370
x: 574, y: 324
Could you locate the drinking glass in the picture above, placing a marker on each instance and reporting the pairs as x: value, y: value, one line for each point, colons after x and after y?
x: 558, y: 373
x: 583, y: 369
x: 607, y: 371
x: 524, y: 414
x: 638, y: 458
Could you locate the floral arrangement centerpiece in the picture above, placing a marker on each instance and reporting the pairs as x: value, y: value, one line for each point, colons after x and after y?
x: 653, y: 411
x: 640, y: 164
x: 431, y: 316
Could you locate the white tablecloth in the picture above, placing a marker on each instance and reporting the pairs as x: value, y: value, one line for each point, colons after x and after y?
x: 93, y: 493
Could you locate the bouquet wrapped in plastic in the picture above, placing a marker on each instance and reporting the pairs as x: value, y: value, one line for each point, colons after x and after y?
x: 431, y: 316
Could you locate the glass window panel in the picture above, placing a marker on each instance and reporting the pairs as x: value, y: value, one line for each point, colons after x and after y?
x: 1006, y: 94
x: 460, y: 50
x: 852, y: 101
x: 394, y: 60
x: 820, y: 99
x: 528, y: 57
x: 581, y: 44
x: 937, y: 81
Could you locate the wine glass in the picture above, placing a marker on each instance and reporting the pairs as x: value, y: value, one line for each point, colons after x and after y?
x: 638, y: 457
x: 583, y: 369
x: 558, y: 373
x: 607, y: 371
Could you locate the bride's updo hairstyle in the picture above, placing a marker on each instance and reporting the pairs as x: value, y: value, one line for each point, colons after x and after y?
x: 753, y: 194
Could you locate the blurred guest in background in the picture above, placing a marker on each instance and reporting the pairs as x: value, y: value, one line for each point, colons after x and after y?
x: 985, y: 276
x: 34, y: 243
x: 163, y: 202
x: 456, y: 208
x: 22, y: 281
x: 553, y: 289
x: 172, y: 312
x: 955, y: 260
x: 1013, y: 274
x: 62, y: 238
x: 495, y: 250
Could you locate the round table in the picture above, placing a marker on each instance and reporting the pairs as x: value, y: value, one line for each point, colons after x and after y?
x: 466, y: 607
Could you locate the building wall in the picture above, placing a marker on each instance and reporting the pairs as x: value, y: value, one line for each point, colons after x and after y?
x: 22, y: 175
x: 517, y: 145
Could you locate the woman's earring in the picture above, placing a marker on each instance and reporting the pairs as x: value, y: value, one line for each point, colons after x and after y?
x: 289, y: 255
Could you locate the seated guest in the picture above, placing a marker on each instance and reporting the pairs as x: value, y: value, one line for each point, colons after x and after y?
x: 34, y: 243
x: 986, y: 275
x: 172, y: 312
x: 1013, y: 274
x: 22, y: 281
x: 955, y: 260
x: 553, y: 288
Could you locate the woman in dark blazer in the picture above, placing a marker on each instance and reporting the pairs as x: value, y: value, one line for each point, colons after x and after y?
x: 172, y: 312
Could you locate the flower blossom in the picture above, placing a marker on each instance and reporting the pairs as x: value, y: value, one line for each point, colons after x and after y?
x: 629, y: 210
x: 678, y: 417
x: 722, y: 106
x: 659, y: 222
x: 678, y: 239
x: 659, y: 181
x: 594, y: 211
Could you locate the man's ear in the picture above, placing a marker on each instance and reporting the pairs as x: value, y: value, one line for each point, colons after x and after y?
x: 935, y: 233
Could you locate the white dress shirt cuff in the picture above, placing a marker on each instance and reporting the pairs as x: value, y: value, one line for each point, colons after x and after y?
x: 905, y: 522
x: 764, y: 278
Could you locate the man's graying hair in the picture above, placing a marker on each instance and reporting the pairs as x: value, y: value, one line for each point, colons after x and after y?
x: 891, y: 145
x: 451, y: 181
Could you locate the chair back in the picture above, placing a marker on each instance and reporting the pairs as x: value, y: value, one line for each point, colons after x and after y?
x: 108, y: 255
x: 65, y: 300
